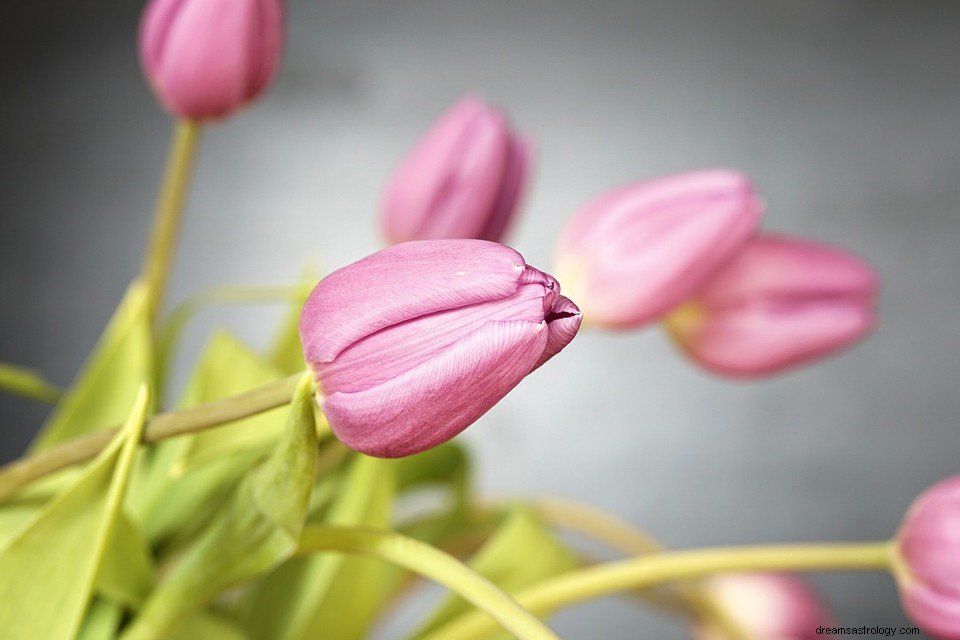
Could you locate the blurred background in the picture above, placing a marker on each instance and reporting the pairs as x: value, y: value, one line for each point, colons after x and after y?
x: 846, y: 114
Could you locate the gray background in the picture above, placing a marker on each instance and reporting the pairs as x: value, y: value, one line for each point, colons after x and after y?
x: 846, y: 113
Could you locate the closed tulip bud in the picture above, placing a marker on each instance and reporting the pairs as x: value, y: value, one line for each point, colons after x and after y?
x: 767, y: 607
x: 464, y: 179
x: 928, y: 560
x: 630, y: 256
x: 206, y: 58
x: 781, y: 302
x: 415, y: 342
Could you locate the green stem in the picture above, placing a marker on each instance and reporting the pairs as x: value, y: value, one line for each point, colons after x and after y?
x: 165, y: 425
x: 166, y: 220
x: 652, y: 570
x: 434, y: 564
x: 27, y: 383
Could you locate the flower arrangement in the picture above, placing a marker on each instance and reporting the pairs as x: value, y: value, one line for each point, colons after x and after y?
x: 265, y: 504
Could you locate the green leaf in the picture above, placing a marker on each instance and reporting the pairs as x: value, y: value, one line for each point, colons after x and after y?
x: 56, y: 556
x: 127, y: 572
x: 207, y: 626
x: 229, y: 367
x: 24, y: 506
x: 256, y: 530
x: 102, y: 621
x: 307, y: 597
x: 106, y: 388
x: 184, y: 474
x: 27, y: 383
x: 522, y: 552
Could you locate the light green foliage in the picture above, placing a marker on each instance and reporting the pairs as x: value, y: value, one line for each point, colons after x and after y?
x: 521, y: 552
x: 286, y: 353
x: 103, y: 619
x: 105, y: 389
x: 27, y: 383
x: 255, y: 531
x: 329, y: 595
x: 59, y: 553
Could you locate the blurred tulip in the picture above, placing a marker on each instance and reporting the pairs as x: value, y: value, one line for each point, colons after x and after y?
x: 781, y: 302
x: 928, y: 552
x: 767, y: 607
x: 630, y: 256
x: 415, y: 342
x: 206, y: 58
x: 464, y: 179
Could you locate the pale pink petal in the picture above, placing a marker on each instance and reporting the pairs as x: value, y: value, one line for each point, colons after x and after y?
x: 516, y: 177
x: 438, y: 399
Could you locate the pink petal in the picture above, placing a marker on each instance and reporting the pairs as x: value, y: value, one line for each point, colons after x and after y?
x: 516, y: 176
x: 439, y: 398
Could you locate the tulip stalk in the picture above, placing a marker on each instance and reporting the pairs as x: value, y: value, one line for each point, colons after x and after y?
x: 652, y: 570
x: 166, y: 221
x: 276, y: 394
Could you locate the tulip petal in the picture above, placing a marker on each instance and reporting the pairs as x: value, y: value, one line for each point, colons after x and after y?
x: 936, y: 613
x: 387, y: 354
x: 440, y: 398
x: 447, y: 185
x: 398, y: 283
x: 516, y: 176
x: 639, y: 251
x: 929, y: 537
x: 563, y: 322
x: 781, y: 302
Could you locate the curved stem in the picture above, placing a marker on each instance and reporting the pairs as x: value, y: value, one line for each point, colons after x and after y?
x: 166, y: 220
x: 652, y: 570
x: 434, y: 564
x: 165, y: 425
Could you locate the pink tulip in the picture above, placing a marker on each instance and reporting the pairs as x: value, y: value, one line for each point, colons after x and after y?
x: 630, y: 256
x: 206, y: 58
x: 415, y: 342
x: 464, y: 179
x: 928, y: 546
x: 781, y: 302
x: 768, y: 607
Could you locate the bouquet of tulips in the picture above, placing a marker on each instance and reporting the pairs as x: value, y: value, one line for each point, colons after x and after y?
x: 273, y: 502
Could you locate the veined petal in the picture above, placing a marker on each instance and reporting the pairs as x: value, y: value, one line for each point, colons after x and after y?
x: 402, y: 282
x: 563, y: 322
x: 441, y: 397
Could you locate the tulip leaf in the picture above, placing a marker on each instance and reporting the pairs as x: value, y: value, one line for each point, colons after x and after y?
x: 188, y: 472
x: 106, y: 388
x: 307, y: 597
x: 127, y: 572
x: 520, y: 553
x: 57, y: 556
x: 17, y: 510
x: 256, y: 529
x: 207, y: 626
x: 27, y: 383
x: 102, y: 620
x: 229, y: 367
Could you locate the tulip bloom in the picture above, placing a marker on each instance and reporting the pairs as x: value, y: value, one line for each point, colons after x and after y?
x: 928, y: 566
x: 630, y: 256
x: 415, y: 342
x: 768, y: 606
x: 781, y: 302
x: 464, y: 179
x: 206, y: 58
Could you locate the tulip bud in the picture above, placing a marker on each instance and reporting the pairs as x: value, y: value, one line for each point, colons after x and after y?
x: 767, y: 607
x: 928, y: 560
x: 415, y: 342
x: 630, y: 256
x: 781, y: 302
x: 206, y: 58
x: 464, y: 179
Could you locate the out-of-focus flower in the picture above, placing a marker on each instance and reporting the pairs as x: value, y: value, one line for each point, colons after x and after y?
x: 464, y: 179
x: 415, y: 342
x: 781, y: 302
x: 206, y: 58
x: 928, y: 560
x: 630, y: 256
x: 768, y: 606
